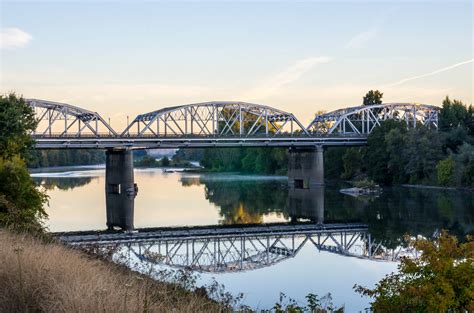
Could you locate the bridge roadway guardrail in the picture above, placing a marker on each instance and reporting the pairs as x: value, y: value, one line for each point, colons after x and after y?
x: 106, y: 141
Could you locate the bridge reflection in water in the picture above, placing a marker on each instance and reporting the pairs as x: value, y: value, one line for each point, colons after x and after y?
x: 237, y: 248
x: 230, y: 248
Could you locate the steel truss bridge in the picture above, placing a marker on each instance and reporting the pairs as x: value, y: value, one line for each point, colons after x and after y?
x: 236, y: 248
x: 218, y: 124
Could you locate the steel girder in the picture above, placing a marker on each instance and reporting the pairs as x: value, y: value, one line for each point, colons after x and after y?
x: 361, y: 120
x: 218, y: 124
x: 215, y: 119
x: 62, y: 120
x: 151, y: 142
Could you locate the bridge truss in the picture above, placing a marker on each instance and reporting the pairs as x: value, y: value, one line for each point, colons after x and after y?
x: 218, y: 124
x: 230, y: 250
x: 362, y: 120
x: 216, y: 119
x: 64, y: 120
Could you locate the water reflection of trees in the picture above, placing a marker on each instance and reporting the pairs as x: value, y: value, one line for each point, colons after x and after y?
x: 400, y: 211
x: 63, y: 183
x: 396, y: 212
x: 245, y: 202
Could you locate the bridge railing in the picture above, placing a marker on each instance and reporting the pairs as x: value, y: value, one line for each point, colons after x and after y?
x: 60, y: 135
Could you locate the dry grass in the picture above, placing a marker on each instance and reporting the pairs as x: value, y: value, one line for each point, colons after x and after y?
x: 40, y: 277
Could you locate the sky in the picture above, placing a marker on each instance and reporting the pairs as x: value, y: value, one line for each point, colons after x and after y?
x: 124, y: 57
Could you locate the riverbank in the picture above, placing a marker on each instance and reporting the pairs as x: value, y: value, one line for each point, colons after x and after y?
x: 50, y: 277
x: 437, y: 187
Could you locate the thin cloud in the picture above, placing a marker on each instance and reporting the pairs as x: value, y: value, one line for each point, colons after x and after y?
x: 362, y: 38
x: 285, y: 77
x: 441, y: 70
x: 11, y: 38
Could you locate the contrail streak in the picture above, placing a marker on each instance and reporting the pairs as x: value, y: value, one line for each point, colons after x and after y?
x: 444, y: 69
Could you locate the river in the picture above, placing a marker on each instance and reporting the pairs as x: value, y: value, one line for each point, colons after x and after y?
x: 77, y: 202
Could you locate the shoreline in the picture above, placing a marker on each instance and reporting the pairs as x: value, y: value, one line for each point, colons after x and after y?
x: 201, y: 170
x: 437, y: 187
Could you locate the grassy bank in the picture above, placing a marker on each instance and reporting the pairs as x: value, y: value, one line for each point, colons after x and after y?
x: 49, y: 277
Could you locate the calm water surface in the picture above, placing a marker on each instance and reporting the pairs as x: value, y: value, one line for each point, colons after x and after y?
x: 77, y: 202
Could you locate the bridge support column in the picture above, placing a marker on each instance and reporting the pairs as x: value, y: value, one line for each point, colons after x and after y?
x: 120, y: 189
x: 306, y: 167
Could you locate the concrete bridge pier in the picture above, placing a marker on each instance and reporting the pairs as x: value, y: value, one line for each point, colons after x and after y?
x: 306, y: 167
x: 120, y: 189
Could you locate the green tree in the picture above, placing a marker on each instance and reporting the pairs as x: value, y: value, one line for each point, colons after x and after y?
x: 165, y: 161
x: 17, y: 121
x: 445, y: 169
x: 378, y: 162
x: 463, y: 166
x: 440, y: 280
x: 333, y: 163
x: 373, y: 97
x: 395, y: 141
x: 454, y: 114
x: 21, y: 204
x: 352, y: 163
x: 422, y: 152
x: 248, y: 162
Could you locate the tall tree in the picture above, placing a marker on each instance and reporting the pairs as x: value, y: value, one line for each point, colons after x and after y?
x: 17, y: 120
x: 373, y: 97
x: 379, y: 167
x: 455, y: 114
x: 21, y: 204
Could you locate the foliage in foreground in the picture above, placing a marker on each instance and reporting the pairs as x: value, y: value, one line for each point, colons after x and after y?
x: 314, y: 304
x: 21, y: 204
x: 440, y: 280
x: 47, y: 277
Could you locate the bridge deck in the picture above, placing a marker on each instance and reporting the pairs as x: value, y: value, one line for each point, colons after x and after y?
x: 105, y: 142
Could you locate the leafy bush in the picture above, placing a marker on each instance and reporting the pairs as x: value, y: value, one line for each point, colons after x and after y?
x: 366, y: 183
x: 440, y: 280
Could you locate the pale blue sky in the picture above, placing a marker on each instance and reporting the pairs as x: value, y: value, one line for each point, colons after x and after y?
x: 126, y: 57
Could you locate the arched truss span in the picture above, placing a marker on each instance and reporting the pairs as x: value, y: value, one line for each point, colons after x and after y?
x: 362, y: 120
x: 64, y: 120
x: 219, y: 119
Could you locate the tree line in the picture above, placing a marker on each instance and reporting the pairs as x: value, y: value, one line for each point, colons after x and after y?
x: 393, y: 155
x: 397, y: 155
x: 65, y: 157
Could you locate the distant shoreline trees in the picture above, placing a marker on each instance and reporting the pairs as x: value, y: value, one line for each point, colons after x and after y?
x: 65, y: 157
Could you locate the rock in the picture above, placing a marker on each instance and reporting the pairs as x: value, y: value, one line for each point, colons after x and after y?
x: 355, y: 191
